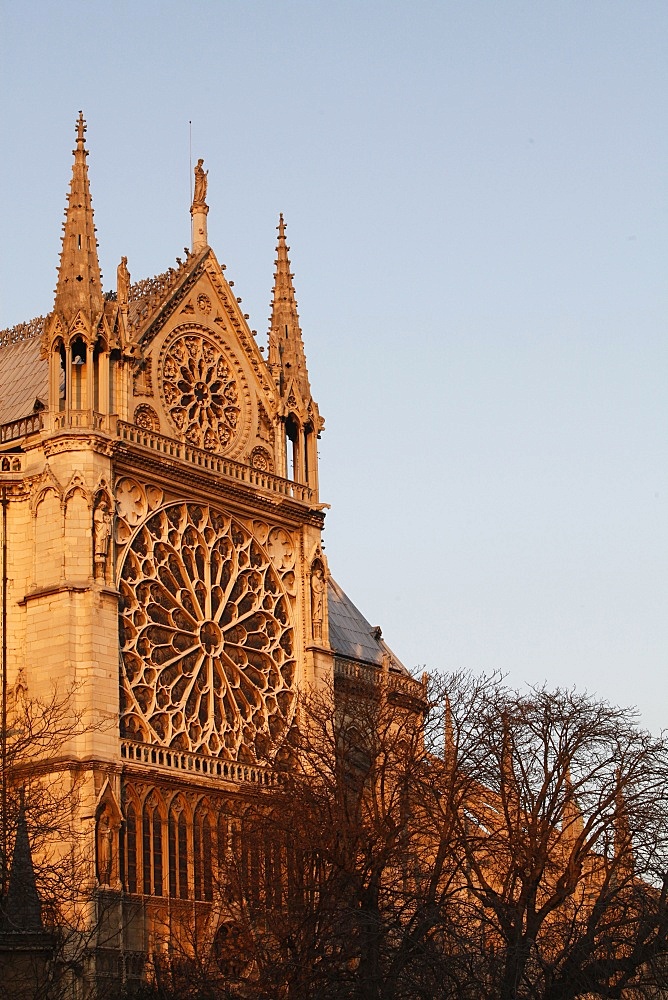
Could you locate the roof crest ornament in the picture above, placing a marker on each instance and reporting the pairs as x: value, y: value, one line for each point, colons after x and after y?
x: 81, y: 129
x: 199, y: 209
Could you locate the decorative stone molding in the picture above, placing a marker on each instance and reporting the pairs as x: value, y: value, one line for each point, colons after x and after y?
x: 204, y: 390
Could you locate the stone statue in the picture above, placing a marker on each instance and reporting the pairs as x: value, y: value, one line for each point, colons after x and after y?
x: 122, y: 282
x: 199, y: 198
x: 101, y: 536
x: 20, y: 691
x: 105, y: 836
x: 317, y: 598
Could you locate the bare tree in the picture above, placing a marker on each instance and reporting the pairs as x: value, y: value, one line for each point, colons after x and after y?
x: 561, y: 844
x: 461, y: 842
x: 40, y: 795
x: 323, y: 872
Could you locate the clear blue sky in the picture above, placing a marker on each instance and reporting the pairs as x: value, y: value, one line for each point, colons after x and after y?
x: 477, y: 204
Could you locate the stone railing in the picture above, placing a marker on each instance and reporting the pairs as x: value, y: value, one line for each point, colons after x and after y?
x: 226, y: 467
x: 370, y: 676
x: 161, y: 445
x: 11, y: 463
x: 197, y: 764
x: 83, y: 419
x: 20, y: 428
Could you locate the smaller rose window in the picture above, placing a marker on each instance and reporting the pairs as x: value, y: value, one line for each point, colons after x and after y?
x: 201, y: 392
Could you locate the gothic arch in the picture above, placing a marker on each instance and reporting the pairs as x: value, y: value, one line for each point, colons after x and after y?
x: 107, y: 846
x: 131, y: 873
x: 204, y: 833
x: 146, y: 418
x: 179, y: 847
x: 76, y: 511
x: 153, y: 849
x: 41, y: 486
x: 48, y: 527
x: 77, y: 484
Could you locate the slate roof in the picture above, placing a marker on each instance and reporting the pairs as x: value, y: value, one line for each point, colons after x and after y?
x: 350, y: 634
x: 24, y: 376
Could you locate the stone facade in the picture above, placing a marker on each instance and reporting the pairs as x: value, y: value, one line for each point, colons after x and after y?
x: 162, y: 530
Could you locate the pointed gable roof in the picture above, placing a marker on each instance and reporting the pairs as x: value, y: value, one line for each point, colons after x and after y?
x: 149, y: 297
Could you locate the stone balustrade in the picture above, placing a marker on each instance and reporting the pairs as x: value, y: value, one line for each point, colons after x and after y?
x: 183, y: 452
x: 20, y: 428
x: 159, y: 443
x: 197, y: 764
x: 370, y: 676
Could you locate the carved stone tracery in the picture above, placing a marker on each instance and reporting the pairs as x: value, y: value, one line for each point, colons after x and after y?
x: 261, y: 460
x: 146, y: 417
x: 201, y: 391
x: 207, y: 644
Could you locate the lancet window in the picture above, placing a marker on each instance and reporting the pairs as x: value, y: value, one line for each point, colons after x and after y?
x: 131, y: 848
x: 152, y: 849
x: 292, y: 448
x: 203, y: 855
x: 178, y: 852
x: 301, y: 459
x: 186, y: 854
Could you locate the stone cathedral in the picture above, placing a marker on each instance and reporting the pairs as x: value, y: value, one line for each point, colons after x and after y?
x: 163, y: 563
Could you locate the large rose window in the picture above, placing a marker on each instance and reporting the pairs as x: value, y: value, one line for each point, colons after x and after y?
x: 201, y: 392
x: 207, y: 646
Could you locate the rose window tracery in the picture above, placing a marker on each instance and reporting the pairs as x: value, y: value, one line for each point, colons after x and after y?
x: 201, y: 391
x: 207, y: 645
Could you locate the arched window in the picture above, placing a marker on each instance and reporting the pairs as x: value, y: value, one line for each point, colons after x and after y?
x: 79, y: 356
x: 274, y: 869
x: 202, y: 853
x: 152, y: 849
x: 178, y: 853
x: 308, y: 430
x: 59, y: 374
x: 292, y: 448
x: 130, y: 848
x: 231, y: 951
x: 251, y: 866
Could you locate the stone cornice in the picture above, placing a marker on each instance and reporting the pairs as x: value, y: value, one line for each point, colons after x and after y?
x: 59, y: 443
x: 130, y: 460
x: 69, y: 587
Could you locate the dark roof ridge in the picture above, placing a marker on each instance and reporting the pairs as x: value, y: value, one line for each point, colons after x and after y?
x: 22, y: 331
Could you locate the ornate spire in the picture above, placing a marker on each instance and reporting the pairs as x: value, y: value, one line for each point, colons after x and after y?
x: 22, y: 909
x: 449, y: 735
x: 79, y: 280
x: 287, y: 359
x: 623, y: 831
x: 572, y: 822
